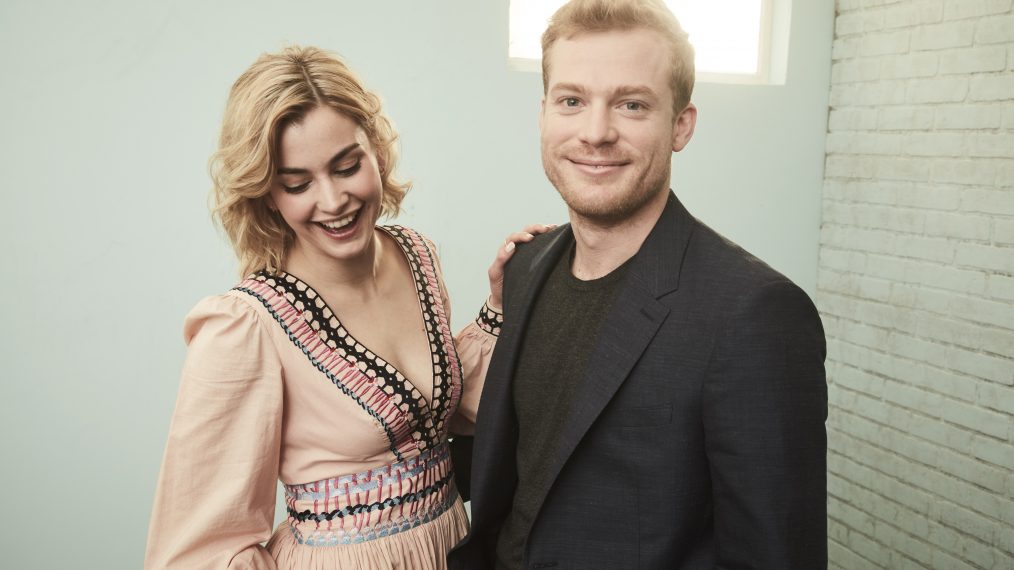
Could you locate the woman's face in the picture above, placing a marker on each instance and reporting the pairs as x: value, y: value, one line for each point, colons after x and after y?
x: 327, y: 187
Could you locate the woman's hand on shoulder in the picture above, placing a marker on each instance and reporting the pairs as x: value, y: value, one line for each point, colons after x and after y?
x: 503, y: 254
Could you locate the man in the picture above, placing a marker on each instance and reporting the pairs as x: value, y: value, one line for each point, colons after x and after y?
x: 657, y: 395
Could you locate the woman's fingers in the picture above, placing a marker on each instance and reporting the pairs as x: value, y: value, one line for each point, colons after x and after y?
x: 504, y: 253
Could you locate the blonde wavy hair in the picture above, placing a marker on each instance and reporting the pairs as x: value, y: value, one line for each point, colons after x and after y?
x: 277, y: 90
x: 587, y: 16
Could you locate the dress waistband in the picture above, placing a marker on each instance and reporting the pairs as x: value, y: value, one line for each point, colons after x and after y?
x: 372, y: 504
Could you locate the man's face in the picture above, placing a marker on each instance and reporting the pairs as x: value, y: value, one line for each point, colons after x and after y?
x: 607, y: 122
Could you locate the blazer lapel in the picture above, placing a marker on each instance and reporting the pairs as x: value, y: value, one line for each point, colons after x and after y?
x: 494, y: 459
x: 629, y: 327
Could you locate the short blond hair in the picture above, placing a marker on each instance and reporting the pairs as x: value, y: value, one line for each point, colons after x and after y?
x: 277, y: 90
x: 586, y: 16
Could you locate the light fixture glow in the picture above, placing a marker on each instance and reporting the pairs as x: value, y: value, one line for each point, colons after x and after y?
x: 726, y: 34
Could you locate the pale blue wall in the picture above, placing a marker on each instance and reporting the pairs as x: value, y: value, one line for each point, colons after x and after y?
x: 111, y: 109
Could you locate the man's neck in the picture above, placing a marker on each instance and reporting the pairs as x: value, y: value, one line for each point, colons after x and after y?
x: 602, y: 247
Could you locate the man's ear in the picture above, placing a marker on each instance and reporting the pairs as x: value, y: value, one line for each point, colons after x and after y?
x: 542, y: 113
x: 683, y: 127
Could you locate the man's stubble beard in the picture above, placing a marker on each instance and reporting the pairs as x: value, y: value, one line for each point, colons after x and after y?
x: 622, y: 203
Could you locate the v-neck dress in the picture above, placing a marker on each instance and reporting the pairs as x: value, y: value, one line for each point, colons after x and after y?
x: 275, y: 388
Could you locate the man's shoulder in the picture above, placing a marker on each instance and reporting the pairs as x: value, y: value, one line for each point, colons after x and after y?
x: 727, y: 275
x: 528, y: 253
x: 723, y: 261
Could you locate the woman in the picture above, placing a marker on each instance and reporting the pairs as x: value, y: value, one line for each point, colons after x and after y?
x: 331, y: 366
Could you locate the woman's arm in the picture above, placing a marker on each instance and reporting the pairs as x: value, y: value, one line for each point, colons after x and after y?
x: 214, y: 505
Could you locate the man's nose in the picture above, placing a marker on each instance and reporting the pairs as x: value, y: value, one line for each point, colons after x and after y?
x: 598, y: 127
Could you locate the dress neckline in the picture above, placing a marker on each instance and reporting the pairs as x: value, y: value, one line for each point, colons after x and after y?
x: 427, y: 417
x: 370, y: 354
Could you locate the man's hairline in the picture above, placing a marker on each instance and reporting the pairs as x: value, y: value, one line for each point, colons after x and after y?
x: 670, y: 55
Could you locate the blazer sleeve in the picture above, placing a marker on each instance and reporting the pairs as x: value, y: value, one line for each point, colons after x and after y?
x: 764, y: 407
x: 215, y: 499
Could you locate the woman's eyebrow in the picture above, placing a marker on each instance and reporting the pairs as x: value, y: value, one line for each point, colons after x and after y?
x: 338, y: 156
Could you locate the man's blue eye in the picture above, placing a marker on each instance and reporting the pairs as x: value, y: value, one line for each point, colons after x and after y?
x: 634, y: 106
x: 570, y: 102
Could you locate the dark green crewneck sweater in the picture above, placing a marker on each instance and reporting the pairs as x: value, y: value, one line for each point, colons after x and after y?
x: 560, y: 336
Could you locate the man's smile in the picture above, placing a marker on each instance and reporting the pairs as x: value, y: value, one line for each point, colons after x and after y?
x: 597, y: 167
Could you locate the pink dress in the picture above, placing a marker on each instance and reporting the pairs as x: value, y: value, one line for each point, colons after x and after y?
x: 274, y: 388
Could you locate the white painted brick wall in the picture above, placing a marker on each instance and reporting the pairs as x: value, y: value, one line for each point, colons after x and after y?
x: 916, y: 285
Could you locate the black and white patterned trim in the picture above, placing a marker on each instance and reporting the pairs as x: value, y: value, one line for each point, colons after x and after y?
x: 490, y: 320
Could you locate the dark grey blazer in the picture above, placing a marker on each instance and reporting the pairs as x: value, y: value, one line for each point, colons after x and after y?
x: 697, y: 439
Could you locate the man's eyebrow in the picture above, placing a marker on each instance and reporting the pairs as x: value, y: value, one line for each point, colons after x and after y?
x: 338, y: 156
x: 572, y: 87
x: 634, y: 90
x: 621, y: 91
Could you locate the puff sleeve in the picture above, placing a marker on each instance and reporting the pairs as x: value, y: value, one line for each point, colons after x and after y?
x: 215, y: 499
x: 475, y: 345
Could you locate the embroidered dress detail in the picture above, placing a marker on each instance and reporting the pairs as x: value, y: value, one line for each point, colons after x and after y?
x: 347, y: 377
x: 372, y: 504
x: 446, y: 366
x: 275, y: 379
x: 410, y: 422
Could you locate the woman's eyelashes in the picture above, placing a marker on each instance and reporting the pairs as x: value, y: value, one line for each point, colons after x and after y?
x: 346, y: 172
x: 296, y: 189
x: 340, y: 172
